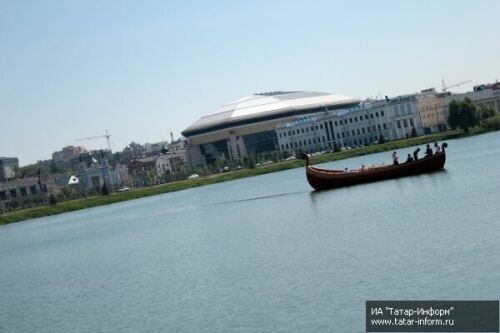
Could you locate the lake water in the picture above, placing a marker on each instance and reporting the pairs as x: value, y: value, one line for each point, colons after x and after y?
x: 261, y: 254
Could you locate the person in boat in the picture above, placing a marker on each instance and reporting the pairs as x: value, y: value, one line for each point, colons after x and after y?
x: 415, y: 154
x: 428, y: 151
x: 363, y: 168
x: 346, y: 170
x: 409, y: 159
x: 395, y: 158
x: 437, y: 148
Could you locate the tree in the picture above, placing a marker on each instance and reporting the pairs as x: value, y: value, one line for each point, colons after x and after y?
x: 52, y: 199
x: 486, y: 112
x: 414, y: 133
x: 381, y: 139
x: 105, y: 190
x: 53, y: 167
x: 463, y: 115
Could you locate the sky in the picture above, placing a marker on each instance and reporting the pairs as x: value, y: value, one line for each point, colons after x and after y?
x: 143, y: 69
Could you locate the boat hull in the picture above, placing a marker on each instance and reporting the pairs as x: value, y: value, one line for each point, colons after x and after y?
x: 322, y: 179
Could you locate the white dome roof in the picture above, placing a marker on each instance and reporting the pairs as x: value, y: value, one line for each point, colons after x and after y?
x: 267, y: 104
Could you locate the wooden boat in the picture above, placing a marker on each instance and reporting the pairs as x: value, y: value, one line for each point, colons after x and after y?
x: 322, y: 179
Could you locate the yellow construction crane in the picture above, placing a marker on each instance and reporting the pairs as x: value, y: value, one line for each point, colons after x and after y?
x: 445, y: 87
x: 107, y: 135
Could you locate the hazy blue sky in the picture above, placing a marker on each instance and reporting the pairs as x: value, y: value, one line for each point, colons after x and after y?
x: 70, y: 69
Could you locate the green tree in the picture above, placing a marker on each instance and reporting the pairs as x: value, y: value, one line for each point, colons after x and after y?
x: 105, y: 190
x: 414, y: 132
x: 52, y: 199
x: 486, y: 112
x: 53, y: 167
x: 381, y: 139
x: 463, y: 115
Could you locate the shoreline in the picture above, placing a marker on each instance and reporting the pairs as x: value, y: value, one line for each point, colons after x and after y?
x: 78, y: 204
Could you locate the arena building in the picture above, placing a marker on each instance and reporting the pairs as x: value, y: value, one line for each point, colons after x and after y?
x: 247, y: 127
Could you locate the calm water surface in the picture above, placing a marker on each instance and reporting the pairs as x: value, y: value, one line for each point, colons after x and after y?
x: 261, y: 254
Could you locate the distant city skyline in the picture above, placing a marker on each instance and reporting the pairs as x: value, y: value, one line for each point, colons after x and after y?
x: 73, y: 70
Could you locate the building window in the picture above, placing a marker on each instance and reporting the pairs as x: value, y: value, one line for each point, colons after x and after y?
x: 411, y: 123
x: 371, y: 115
x: 23, y: 192
x: 338, y: 135
x: 282, y: 147
x: 405, y: 123
x: 307, y: 129
x: 376, y: 114
x: 343, y: 135
x: 321, y: 126
x: 355, y: 119
x: 33, y: 189
x: 3, y: 195
x: 279, y: 136
x: 350, y: 120
x: 13, y: 193
x: 345, y: 121
x: 366, y: 117
x: 302, y: 130
x: 358, y: 131
x: 379, y: 128
x: 363, y: 130
x: 385, y: 126
x: 382, y: 113
x: 336, y: 123
x: 324, y: 139
x: 408, y: 108
x: 368, y: 129
x: 399, y: 123
x: 353, y: 133
x: 286, y: 145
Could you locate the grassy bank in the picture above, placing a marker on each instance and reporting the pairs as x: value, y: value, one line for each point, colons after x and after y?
x: 73, y: 205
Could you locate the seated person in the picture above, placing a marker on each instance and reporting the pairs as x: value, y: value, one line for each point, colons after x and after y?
x: 428, y: 151
x: 409, y: 159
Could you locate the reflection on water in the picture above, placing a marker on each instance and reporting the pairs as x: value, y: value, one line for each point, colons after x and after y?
x: 262, y: 254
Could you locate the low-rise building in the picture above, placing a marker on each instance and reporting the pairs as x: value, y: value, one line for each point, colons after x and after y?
x: 355, y: 126
x: 67, y: 154
x: 95, y: 170
x: 152, y: 170
x: 8, y: 167
x: 22, y: 193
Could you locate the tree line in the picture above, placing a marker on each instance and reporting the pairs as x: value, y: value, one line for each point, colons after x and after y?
x: 465, y: 114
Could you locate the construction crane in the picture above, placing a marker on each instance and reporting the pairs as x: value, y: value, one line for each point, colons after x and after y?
x: 107, y: 135
x: 445, y: 87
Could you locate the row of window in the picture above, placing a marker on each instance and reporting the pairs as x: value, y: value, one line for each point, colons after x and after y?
x: 337, y: 123
x: 360, y: 131
x: 300, y: 144
x: 301, y: 130
x: 405, y: 123
x: 402, y: 109
x: 23, y: 190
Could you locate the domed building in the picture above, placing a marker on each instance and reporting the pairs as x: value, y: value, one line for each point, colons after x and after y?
x: 247, y: 126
